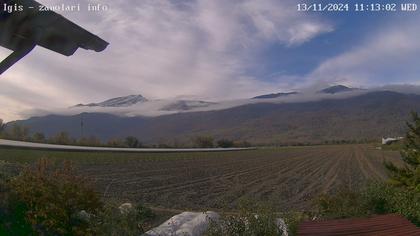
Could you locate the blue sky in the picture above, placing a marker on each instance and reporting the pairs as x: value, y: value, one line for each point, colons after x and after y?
x: 214, y: 50
x: 350, y: 30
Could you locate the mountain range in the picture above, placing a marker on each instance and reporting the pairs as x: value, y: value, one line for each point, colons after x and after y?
x: 336, y: 114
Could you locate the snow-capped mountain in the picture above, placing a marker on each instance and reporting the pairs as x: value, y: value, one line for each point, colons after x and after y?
x: 117, y: 102
x: 137, y: 105
x: 337, y: 89
x: 309, y: 116
x: 186, y: 105
x: 274, y: 95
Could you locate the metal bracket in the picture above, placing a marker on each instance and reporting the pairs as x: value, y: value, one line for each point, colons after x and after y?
x: 15, y: 57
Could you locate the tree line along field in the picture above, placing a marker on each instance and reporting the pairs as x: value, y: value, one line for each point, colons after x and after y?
x: 286, y: 178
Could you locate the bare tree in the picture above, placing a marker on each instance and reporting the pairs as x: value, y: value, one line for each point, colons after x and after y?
x: 2, y: 127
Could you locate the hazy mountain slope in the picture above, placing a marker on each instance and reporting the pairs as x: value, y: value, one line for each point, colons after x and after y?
x: 274, y: 95
x: 367, y: 116
x: 337, y: 89
x: 117, y: 102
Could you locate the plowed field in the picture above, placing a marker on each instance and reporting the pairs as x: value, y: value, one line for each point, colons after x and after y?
x: 288, y: 178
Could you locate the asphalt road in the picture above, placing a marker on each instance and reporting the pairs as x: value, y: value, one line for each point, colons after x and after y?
x: 18, y: 144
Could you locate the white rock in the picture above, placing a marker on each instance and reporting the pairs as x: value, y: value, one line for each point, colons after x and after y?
x: 83, y: 215
x: 125, y: 208
x: 281, y: 225
x: 185, y: 224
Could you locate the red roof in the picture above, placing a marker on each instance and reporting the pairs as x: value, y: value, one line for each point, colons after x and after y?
x: 378, y: 225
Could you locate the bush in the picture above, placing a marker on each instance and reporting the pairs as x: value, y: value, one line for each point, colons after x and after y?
x: 376, y: 198
x: 2, y: 127
x: 90, y: 141
x: 243, y: 144
x: 132, y: 142
x: 385, y: 198
x: 119, y: 143
x: 12, y: 213
x: 17, y: 132
x: 253, y: 220
x: 409, y: 175
x: 53, y: 199
x: 114, y: 222
x: 225, y: 143
x: 39, y: 138
x: 62, y: 138
x: 344, y: 203
x: 203, y: 142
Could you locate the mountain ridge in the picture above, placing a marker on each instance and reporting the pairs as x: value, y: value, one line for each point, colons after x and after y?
x: 123, y: 101
x: 365, y: 117
x: 337, y: 89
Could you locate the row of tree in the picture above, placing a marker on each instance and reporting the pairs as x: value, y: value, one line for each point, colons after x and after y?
x: 22, y: 133
x: 210, y: 142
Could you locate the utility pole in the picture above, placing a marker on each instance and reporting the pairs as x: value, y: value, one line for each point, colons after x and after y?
x: 81, y: 125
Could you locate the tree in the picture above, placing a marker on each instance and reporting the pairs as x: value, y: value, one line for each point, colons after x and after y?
x: 204, y: 142
x: 409, y: 175
x: 62, y: 138
x: 19, y: 132
x: 225, y: 143
x: 116, y: 143
x: 132, y: 142
x: 2, y: 127
x: 39, y: 138
x: 90, y: 141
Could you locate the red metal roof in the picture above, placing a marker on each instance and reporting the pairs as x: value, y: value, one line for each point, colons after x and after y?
x: 378, y: 225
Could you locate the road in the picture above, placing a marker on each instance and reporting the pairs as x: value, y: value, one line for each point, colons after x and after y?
x: 19, y: 144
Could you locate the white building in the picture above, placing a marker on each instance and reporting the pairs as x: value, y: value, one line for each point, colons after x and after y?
x: 386, y: 141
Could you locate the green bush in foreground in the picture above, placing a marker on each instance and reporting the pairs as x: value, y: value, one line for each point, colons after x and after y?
x: 55, y: 201
x: 129, y: 222
x: 376, y: 198
x: 408, y: 176
x: 252, y: 220
x: 12, y: 213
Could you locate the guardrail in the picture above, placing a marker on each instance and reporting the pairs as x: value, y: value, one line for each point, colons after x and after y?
x: 29, y: 145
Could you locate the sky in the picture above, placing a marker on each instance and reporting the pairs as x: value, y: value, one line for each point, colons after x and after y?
x: 213, y: 50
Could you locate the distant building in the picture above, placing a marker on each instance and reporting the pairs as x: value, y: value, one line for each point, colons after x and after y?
x: 387, y: 141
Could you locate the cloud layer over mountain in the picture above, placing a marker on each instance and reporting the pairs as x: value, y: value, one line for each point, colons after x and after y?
x: 211, y: 50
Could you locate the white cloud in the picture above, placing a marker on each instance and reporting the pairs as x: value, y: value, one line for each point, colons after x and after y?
x: 161, y: 49
x: 390, y: 55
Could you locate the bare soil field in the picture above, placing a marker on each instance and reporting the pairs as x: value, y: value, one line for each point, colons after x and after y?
x: 286, y: 178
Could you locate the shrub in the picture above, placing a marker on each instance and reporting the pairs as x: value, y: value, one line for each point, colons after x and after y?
x: 385, y: 198
x: 119, y: 143
x: 243, y: 144
x: 376, y: 198
x: 90, y: 141
x: 113, y: 222
x: 225, y: 143
x: 2, y: 127
x: 409, y: 175
x: 344, y: 203
x: 12, y: 213
x: 132, y: 142
x: 17, y: 132
x: 62, y: 138
x: 39, y: 138
x: 253, y: 220
x: 203, y: 142
x: 53, y: 199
